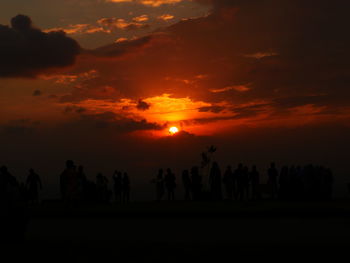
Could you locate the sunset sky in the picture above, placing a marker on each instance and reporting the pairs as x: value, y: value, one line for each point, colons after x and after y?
x: 102, y: 81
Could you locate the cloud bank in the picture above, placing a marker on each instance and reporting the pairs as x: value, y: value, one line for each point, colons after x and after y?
x: 26, y: 51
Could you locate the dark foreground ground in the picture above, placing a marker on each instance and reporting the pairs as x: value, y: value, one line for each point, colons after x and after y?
x: 175, y: 232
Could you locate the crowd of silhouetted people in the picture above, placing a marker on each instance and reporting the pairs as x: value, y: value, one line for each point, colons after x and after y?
x: 14, y: 197
x: 241, y: 183
x: 290, y: 183
x: 11, y: 190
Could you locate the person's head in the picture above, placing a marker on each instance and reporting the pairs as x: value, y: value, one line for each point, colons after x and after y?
x: 80, y: 168
x: 168, y: 171
x: 31, y: 170
x: 254, y: 168
x: 160, y: 171
x: 240, y: 165
x: 273, y: 165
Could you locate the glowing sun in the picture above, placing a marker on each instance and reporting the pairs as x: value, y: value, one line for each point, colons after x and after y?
x: 173, y: 130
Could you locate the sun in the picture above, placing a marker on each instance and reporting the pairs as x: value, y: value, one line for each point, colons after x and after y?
x: 173, y: 130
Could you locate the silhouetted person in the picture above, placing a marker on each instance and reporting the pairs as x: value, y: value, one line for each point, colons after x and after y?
x: 284, y: 181
x: 4, y: 182
x: 215, y: 182
x: 308, y: 178
x: 126, y: 188
x: 246, y: 182
x: 159, y: 181
x: 255, y: 180
x: 196, y: 183
x: 23, y: 191
x: 91, y: 191
x: 10, y: 191
x: 82, y: 184
x: 69, y: 182
x: 329, y: 180
x: 117, y: 187
x: 13, y: 212
x: 240, y: 178
x: 228, y: 182
x: 186, y: 181
x: 102, y: 188
x: 272, y: 174
x: 170, y: 184
x: 33, y: 184
x: 294, y: 185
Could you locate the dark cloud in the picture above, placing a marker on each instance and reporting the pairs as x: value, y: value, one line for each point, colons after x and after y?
x: 21, y: 23
x: 214, y: 109
x: 19, y: 127
x: 121, y: 48
x: 207, y: 120
x: 115, y: 123
x: 16, y: 130
x: 26, y: 51
x: 249, y: 111
x: 37, y: 92
x: 296, y: 101
x: 52, y: 96
x: 75, y: 109
x: 184, y: 134
x: 142, y: 105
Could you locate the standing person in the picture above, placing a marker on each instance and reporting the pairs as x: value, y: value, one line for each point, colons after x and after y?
x: 329, y: 181
x: 228, y: 182
x: 14, y: 217
x: 82, y: 183
x: 272, y: 180
x: 170, y: 184
x: 284, y: 182
x: 3, y: 183
x: 9, y: 187
x: 69, y: 182
x: 126, y: 188
x: 215, y: 182
x: 102, y: 188
x: 186, y: 181
x: 159, y: 185
x: 255, y: 179
x: 239, y: 178
x: 32, y: 185
x: 117, y: 187
x: 196, y: 184
x: 246, y: 182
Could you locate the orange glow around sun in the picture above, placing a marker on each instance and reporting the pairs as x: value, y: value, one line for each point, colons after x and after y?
x: 173, y: 130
